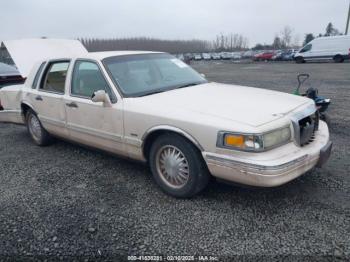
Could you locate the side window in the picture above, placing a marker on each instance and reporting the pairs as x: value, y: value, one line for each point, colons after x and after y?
x: 38, y: 73
x: 55, y: 77
x: 88, y: 78
x: 306, y: 48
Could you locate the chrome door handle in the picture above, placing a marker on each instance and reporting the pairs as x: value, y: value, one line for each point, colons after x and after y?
x: 72, y: 104
x: 39, y: 98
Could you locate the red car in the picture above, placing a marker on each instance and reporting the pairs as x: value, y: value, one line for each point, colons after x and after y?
x: 265, y: 56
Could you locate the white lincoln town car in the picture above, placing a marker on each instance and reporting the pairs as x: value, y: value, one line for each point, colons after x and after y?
x: 150, y: 106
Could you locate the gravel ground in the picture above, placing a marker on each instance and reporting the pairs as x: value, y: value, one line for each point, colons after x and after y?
x: 67, y: 202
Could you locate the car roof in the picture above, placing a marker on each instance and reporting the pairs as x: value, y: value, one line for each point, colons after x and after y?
x: 102, y: 55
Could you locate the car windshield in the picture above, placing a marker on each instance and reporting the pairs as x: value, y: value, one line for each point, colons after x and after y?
x: 145, y: 74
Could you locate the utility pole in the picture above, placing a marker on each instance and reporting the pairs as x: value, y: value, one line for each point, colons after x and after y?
x: 347, y: 23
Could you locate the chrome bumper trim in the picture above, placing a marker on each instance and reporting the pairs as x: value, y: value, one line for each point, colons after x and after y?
x: 233, y: 163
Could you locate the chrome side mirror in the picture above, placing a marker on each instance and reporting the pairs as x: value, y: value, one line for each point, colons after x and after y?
x: 101, y: 96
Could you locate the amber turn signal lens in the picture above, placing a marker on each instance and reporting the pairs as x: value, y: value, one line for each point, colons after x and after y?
x: 234, y: 140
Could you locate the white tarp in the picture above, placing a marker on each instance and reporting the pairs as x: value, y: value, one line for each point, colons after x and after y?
x: 26, y: 52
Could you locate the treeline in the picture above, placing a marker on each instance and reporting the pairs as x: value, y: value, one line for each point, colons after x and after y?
x: 230, y: 42
x: 330, y: 31
x: 223, y: 42
x: 287, y: 39
x: 283, y: 40
x: 144, y: 43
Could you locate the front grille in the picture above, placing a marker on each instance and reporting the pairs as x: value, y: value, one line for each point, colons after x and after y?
x: 307, y: 128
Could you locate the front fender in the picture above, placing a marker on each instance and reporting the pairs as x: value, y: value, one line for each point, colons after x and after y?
x: 172, y: 129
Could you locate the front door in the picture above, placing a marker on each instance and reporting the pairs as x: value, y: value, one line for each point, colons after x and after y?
x: 90, y: 123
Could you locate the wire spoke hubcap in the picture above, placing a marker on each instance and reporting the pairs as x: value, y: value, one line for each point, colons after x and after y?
x: 34, y: 127
x: 172, y: 166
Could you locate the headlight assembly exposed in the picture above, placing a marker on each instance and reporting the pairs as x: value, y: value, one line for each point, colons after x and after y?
x: 252, y: 142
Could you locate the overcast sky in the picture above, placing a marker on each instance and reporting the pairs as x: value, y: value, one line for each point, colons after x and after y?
x: 258, y: 20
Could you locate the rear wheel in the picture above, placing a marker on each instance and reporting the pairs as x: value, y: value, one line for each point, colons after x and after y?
x: 338, y: 59
x: 36, y: 131
x: 177, y: 166
x: 299, y: 60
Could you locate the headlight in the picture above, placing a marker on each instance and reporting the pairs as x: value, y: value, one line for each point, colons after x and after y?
x: 254, y: 142
x: 276, y: 137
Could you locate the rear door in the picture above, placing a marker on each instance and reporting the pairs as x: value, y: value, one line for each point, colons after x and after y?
x: 48, y: 100
x: 90, y: 123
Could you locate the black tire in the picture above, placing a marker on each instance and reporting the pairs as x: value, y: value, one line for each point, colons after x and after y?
x: 299, y: 60
x: 338, y: 59
x: 40, y: 137
x: 198, y: 174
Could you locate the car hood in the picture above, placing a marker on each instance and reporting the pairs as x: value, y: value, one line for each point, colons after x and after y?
x: 246, y: 105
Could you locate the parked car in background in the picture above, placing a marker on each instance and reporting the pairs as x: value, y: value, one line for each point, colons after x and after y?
x: 206, y: 56
x: 225, y: 55
x: 197, y: 57
x: 248, y: 54
x: 288, y: 55
x: 278, y: 55
x: 9, y: 75
x: 188, y: 56
x: 264, y: 56
x: 180, y: 56
x: 215, y: 56
x: 236, y: 55
x: 336, y: 48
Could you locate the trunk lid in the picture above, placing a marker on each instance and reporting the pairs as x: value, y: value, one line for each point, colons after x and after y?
x: 26, y: 52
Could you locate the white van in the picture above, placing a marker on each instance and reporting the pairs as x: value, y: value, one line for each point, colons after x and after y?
x: 325, y: 48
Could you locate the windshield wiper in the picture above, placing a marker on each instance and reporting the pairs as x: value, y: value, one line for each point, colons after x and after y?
x: 154, y: 92
x: 187, y: 85
x: 169, y: 89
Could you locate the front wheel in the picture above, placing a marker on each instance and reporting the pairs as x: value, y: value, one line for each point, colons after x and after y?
x: 338, y: 59
x: 177, y: 166
x: 36, y: 131
x: 299, y: 60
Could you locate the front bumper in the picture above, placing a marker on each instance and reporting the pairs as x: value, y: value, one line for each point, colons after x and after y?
x: 274, y: 167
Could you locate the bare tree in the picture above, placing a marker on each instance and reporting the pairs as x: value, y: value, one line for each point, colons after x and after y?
x: 287, y: 36
x: 296, y: 41
x: 231, y: 42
